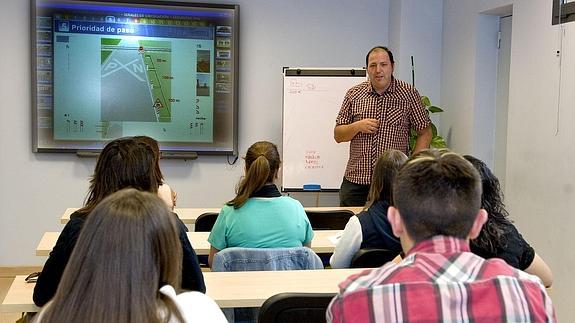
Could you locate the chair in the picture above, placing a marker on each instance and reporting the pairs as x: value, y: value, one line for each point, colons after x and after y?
x: 329, y: 220
x: 251, y: 259
x: 205, y: 222
x: 295, y: 307
x: 372, y: 258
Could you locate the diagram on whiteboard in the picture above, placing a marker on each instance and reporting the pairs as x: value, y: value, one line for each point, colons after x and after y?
x: 302, y: 86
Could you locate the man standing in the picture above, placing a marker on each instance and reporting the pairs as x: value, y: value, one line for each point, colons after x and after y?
x: 437, y: 210
x: 375, y: 116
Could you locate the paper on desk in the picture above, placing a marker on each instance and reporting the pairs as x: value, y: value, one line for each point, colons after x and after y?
x: 335, y: 238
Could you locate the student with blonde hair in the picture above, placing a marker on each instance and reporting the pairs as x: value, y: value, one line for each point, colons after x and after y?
x: 126, y: 267
x: 370, y: 228
x: 259, y: 216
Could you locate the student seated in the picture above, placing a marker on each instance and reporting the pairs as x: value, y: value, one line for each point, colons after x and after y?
x: 126, y: 267
x: 499, y: 237
x: 259, y: 216
x: 165, y: 192
x: 437, y: 200
x: 370, y: 228
x: 123, y: 163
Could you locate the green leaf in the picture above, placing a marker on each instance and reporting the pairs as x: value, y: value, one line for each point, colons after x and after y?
x: 433, y: 130
x: 412, y: 139
x: 425, y: 100
x: 434, y: 109
x: 438, y: 142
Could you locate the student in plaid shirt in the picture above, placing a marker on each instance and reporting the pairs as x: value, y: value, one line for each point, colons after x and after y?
x: 437, y: 198
x: 376, y: 116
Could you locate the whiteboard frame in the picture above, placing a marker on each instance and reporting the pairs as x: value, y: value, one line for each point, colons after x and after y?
x: 357, y: 72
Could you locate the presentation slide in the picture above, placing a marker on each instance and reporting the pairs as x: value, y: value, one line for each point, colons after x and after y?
x: 114, y: 79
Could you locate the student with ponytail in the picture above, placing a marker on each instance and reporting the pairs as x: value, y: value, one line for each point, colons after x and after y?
x: 259, y: 216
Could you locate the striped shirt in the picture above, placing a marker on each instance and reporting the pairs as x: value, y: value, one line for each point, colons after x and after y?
x: 398, y: 109
x: 440, y: 280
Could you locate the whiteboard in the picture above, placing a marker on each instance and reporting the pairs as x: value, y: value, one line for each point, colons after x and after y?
x: 311, y: 101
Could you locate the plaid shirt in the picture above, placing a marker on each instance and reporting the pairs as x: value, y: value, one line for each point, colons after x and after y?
x: 398, y: 109
x: 440, y: 280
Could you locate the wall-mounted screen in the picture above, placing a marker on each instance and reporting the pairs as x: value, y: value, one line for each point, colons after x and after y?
x: 108, y: 69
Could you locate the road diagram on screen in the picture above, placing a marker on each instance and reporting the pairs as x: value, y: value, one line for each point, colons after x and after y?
x: 109, y: 86
x: 136, y: 75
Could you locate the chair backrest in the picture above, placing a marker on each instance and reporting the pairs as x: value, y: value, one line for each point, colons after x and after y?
x: 250, y: 259
x: 329, y: 220
x: 372, y: 258
x: 205, y: 222
x: 295, y: 307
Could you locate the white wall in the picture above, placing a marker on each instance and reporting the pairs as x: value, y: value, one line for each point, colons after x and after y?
x: 540, y: 173
x: 36, y: 188
x: 415, y: 30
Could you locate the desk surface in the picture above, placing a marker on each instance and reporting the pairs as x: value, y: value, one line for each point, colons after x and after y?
x: 252, y: 288
x: 228, y: 289
x: 189, y: 215
x: 322, y: 242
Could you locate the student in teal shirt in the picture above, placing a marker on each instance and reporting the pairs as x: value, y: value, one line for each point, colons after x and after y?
x: 259, y: 216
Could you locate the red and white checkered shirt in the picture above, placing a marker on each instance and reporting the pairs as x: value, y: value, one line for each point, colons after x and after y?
x: 440, y: 280
x: 398, y: 109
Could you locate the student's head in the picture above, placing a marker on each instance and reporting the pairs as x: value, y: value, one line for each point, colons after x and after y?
x: 123, y: 163
x: 262, y: 164
x: 379, y: 64
x: 492, y: 234
x: 156, y: 149
x: 437, y: 192
x: 384, y: 173
x: 127, y: 250
x: 492, y: 197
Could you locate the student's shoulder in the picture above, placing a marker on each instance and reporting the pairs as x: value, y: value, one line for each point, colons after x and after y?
x: 289, y: 201
x: 77, y: 220
x: 226, y: 209
x: 198, y: 307
x: 194, y: 306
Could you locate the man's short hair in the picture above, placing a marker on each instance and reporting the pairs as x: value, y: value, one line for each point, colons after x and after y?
x: 383, y: 48
x: 437, y: 192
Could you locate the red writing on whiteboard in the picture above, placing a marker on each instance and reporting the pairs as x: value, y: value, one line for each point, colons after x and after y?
x: 312, y: 160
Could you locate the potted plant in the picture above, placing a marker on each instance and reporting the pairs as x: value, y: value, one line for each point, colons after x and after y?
x: 436, y: 141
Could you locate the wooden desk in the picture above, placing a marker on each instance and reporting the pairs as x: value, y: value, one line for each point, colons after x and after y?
x: 228, y: 289
x: 252, y: 288
x: 189, y: 215
x: 321, y: 242
x: 233, y: 289
x: 19, y: 297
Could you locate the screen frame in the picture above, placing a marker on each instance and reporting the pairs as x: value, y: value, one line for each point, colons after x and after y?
x: 194, y: 148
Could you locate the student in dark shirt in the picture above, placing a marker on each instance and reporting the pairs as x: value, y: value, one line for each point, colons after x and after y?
x: 499, y: 238
x: 123, y: 163
x: 126, y: 267
x: 165, y: 192
x: 370, y: 228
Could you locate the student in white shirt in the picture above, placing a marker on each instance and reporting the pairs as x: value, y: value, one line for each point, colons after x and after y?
x: 125, y: 266
x: 370, y: 228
